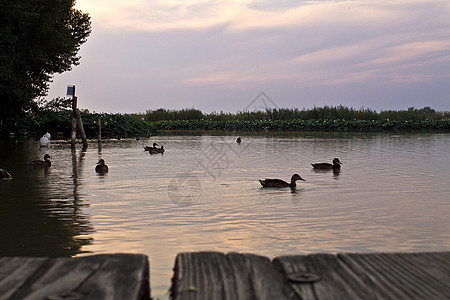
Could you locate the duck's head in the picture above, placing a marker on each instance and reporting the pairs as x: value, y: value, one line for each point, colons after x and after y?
x: 154, y: 145
x: 47, y: 156
x: 101, y: 162
x: 336, y: 161
x: 296, y: 177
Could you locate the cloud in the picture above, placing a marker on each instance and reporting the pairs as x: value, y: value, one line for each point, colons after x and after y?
x: 160, y: 15
x: 422, y: 51
x: 170, y: 47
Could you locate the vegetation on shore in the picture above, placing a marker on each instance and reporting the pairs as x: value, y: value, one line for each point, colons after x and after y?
x: 304, y: 125
x: 60, y: 123
x: 55, y: 117
x: 327, y: 118
x: 284, y: 114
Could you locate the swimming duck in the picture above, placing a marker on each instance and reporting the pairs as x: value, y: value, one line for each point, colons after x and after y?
x: 278, y: 183
x: 238, y: 140
x: 4, y: 174
x: 42, y: 163
x: 326, y: 166
x: 156, y: 150
x: 148, y: 148
x: 101, y: 167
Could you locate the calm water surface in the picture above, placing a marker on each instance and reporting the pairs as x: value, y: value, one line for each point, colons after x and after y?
x: 392, y: 194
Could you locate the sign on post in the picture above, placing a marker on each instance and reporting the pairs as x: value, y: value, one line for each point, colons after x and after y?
x: 71, y: 90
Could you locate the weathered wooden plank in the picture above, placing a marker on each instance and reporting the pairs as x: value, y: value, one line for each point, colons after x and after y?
x: 214, y: 275
x: 128, y: 271
x: 295, y: 265
x: 371, y: 276
x: 265, y: 281
x: 206, y: 274
x: 14, y: 272
x: 409, y: 275
x: 106, y: 276
x: 336, y: 280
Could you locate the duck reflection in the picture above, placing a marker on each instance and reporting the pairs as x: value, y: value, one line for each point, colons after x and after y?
x: 335, y: 172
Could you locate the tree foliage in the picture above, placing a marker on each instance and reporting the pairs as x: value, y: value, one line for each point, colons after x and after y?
x: 38, y: 38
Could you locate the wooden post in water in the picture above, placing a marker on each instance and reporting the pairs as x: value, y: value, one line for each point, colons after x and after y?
x: 81, y: 128
x: 99, y: 138
x: 76, y: 118
x: 99, y: 128
x: 71, y: 91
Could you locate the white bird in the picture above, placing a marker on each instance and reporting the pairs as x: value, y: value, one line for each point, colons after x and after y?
x: 44, y: 141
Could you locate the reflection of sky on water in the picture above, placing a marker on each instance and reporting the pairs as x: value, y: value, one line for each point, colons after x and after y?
x: 390, y: 196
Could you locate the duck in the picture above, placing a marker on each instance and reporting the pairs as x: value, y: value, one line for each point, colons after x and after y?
x: 101, y: 167
x: 42, y: 163
x: 278, y: 183
x: 157, y: 150
x: 4, y: 174
x: 44, y: 141
x: 148, y: 148
x: 327, y: 166
x: 238, y: 140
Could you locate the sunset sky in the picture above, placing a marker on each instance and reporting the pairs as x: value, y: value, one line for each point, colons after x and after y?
x: 220, y: 55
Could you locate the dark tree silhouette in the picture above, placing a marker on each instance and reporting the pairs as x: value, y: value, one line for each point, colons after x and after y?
x: 37, y: 40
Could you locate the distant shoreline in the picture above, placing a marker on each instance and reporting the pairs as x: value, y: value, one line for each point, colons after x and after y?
x: 304, y: 125
x: 129, y: 126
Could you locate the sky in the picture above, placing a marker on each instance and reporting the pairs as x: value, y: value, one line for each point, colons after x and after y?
x: 231, y: 55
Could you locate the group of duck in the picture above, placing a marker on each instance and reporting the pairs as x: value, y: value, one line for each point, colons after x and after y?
x: 37, y: 163
x: 278, y: 183
x: 154, y: 149
x: 101, y: 167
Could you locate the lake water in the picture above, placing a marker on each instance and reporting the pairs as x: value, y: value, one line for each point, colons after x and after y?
x: 392, y: 194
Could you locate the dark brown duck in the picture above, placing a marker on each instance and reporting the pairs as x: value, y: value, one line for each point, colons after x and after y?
x: 42, y: 163
x: 278, y: 183
x: 101, y: 167
x: 336, y: 165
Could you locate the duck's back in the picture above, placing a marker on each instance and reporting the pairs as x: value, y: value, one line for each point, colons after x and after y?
x: 41, y: 163
x: 322, y: 166
x: 274, y: 183
x: 101, y: 169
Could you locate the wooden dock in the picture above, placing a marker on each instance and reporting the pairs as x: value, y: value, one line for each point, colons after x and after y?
x: 215, y: 275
